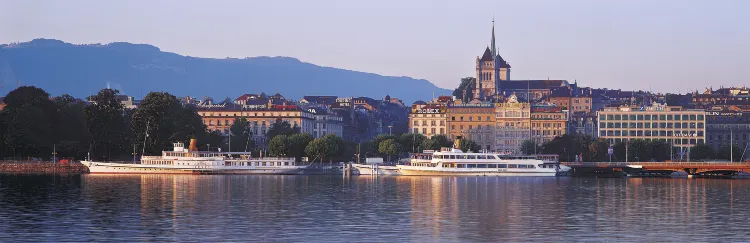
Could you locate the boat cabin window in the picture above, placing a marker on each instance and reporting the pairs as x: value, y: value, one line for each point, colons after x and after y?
x: 481, y: 166
x: 460, y: 166
x: 471, y: 166
x: 502, y: 166
x: 512, y: 166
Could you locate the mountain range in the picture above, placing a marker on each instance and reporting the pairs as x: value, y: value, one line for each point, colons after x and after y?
x: 136, y: 69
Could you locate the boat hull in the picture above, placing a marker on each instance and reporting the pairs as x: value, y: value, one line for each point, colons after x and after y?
x: 425, y: 171
x: 122, y: 168
x: 376, y: 170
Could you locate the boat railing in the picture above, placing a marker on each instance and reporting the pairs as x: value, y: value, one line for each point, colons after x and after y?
x: 150, y: 157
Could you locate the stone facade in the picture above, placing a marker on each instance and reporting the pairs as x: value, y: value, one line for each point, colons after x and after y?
x: 429, y: 120
x: 512, y: 126
x: 475, y: 122
x: 547, y: 122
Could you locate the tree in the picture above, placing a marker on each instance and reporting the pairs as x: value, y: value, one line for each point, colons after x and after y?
x: 167, y: 121
x: 72, y: 135
x: 568, y: 146
x: 241, y: 135
x: 638, y: 150
x: 327, y: 147
x: 599, y: 150
x: 724, y: 153
x: 702, y: 152
x: 529, y: 147
x: 297, y: 144
x: 466, y: 86
x: 389, y: 147
x: 281, y: 127
x: 411, y: 142
x: 376, y: 143
x: 469, y: 146
x: 28, y: 122
x: 107, y: 125
x: 436, y: 142
x: 279, y: 146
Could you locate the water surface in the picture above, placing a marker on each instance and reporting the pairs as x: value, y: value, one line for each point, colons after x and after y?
x: 212, y: 208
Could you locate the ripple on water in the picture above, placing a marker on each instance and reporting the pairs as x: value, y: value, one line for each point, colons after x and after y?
x: 385, y: 209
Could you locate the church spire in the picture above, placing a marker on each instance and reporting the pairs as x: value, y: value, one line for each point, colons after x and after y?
x: 492, y: 42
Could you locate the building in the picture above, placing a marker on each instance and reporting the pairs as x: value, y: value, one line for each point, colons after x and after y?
x: 723, y: 98
x: 260, y: 113
x: 2, y: 103
x: 490, y: 70
x: 475, y: 122
x: 512, y: 125
x: 547, y: 122
x: 728, y: 127
x: 533, y: 90
x: 583, y: 123
x: 429, y: 120
x: 672, y: 124
x: 326, y: 122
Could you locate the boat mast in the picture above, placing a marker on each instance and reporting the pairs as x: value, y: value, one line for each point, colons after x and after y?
x: 143, y: 151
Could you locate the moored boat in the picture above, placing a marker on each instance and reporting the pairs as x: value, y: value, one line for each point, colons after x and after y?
x: 190, y: 161
x: 453, y: 161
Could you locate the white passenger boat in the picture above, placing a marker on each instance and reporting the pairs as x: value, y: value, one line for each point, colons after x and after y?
x: 376, y: 169
x: 191, y: 161
x: 455, y: 162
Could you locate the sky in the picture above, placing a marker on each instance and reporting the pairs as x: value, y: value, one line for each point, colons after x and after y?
x: 657, y: 45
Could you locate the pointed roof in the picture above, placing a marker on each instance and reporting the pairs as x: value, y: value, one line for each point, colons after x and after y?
x: 501, y: 63
x: 487, y: 56
x: 492, y: 42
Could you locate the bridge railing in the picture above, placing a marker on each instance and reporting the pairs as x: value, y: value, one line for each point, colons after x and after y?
x: 661, y: 163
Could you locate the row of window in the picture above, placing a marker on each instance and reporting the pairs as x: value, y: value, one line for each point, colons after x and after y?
x: 683, y: 141
x: 649, y: 133
x: 649, y: 117
x: 495, y: 166
x: 470, y: 118
x: 424, y: 123
x: 652, y: 125
x: 250, y: 114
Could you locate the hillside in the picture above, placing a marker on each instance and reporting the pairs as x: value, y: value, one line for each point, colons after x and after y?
x: 136, y: 69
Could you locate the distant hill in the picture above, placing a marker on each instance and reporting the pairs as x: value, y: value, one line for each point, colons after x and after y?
x: 136, y: 69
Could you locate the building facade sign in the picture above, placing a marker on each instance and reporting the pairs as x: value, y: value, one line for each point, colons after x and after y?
x: 466, y: 105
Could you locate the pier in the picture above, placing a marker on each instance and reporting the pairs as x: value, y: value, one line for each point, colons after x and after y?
x: 658, y: 169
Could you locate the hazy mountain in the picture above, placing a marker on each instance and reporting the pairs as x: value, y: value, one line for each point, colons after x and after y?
x: 136, y: 69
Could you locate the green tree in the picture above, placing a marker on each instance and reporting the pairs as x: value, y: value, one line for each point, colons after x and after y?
x: 638, y: 150
x: 411, y: 142
x: 73, y: 137
x: 28, y: 122
x: 281, y: 127
x: 436, y: 142
x: 568, y: 146
x: 599, y: 150
x: 466, y: 86
x: 467, y: 145
x: 702, y: 152
x: 107, y: 125
x: 724, y: 153
x: 530, y: 147
x: 659, y: 150
x: 327, y: 147
x: 167, y: 121
x: 297, y: 144
x: 389, y: 147
x: 279, y: 146
x: 241, y: 135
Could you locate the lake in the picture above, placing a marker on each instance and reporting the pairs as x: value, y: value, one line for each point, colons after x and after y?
x: 212, y: 208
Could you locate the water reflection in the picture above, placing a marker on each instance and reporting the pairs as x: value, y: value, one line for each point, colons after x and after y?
x: 326, y: 208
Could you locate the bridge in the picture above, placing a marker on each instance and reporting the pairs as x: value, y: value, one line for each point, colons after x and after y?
x: 691, y: 168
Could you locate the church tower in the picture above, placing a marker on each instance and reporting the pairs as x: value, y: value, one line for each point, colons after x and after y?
x: 491, y: 69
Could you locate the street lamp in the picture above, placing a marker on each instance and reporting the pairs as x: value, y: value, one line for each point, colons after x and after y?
x: 390, y: 129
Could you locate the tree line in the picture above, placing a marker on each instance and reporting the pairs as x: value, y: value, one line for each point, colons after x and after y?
x: 34, y: 125
x: 588, y: 149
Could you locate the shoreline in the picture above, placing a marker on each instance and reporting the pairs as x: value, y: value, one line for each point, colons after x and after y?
x: 35, y: 167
